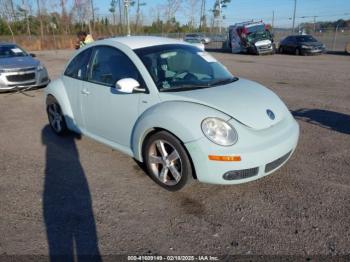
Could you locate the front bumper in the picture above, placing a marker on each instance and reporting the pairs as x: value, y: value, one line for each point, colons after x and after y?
x: 261, y: 154
x: 313, y: 50
x: 264, y: 49
x: 15, y: 80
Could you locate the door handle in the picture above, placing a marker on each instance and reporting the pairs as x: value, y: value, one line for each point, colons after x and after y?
x: 85, y: 92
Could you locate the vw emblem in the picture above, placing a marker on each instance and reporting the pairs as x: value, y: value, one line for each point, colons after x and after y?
x: 270, y: 114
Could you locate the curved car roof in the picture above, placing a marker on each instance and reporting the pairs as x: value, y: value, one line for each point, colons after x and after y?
x: 6, y: 43
x: 135, y: 42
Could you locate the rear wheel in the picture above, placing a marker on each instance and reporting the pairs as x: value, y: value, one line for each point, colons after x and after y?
x: 297, y: 51
x: 167, y: 161
x: 280, y: 50
x: 55, y: 116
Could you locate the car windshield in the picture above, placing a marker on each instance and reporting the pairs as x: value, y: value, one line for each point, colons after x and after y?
x: 181, y: 68
x: 193, y: 35
x: 258, y: 35
x: 11, y: 51
x: 255, y: 28
x: 193, y: 41
x: 306, y: 38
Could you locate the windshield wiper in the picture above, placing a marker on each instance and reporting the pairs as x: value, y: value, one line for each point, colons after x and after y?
x: 223, y: 81
x: 186, y: 87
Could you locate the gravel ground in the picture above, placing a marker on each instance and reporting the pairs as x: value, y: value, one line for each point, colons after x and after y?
x: 74, y: 192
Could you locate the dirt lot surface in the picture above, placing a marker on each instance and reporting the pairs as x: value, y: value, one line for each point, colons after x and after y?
x: 60, y: 190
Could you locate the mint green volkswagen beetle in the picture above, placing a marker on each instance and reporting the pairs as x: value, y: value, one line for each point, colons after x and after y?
x: 175, y: 109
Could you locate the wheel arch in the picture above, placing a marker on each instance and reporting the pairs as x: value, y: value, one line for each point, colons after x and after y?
x: 56, y: 90
x: 157, y: 130
x: 179, y: 118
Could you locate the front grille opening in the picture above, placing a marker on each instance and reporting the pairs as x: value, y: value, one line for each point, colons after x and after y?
x: 276, y: 163
x: 20, y: 69
x: 21, y: 78
x: 24, y: 84
x: 241, y: 174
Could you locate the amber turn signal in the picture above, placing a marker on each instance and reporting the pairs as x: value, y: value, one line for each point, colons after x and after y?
x: 224, y: 158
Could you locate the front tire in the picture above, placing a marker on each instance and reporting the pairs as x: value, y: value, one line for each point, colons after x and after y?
x: 297, y: 52
x: 167, y: 161
x: 56, y: 117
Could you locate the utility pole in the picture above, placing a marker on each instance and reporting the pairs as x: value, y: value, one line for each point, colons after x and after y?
x: 273, y: 19
x: 13, y: 11
x: 335, y: 37
x: 121, y: 27
x: 220, y: 16
x: 92, y: 11
x: 315, y: 24
x: 138, y: 13
x: 126, y: 15
x: 295, y: 8
x: 41, y: 24
x: 201, y: 18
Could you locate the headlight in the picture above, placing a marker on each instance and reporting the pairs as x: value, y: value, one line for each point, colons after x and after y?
x: 219, y: 131
x: 40, y: 67
x: 306, y: 47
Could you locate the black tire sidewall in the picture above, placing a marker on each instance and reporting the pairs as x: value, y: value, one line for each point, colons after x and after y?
x: 187, y: 172
x: 64, y: 130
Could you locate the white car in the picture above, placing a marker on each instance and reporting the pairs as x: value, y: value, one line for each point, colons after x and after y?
x: 174, y: 108
x: 196, y: 42
x: 205, y: 40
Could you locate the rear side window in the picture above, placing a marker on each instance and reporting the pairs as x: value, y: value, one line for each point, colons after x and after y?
x: 79, y: 66
x: 286, y: 40
x: 109, y: 65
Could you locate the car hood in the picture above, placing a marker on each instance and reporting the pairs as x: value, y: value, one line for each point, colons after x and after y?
x: 262, y: 42
x: 317, y: 44
x: 243, y: 100
x: 18, y: 62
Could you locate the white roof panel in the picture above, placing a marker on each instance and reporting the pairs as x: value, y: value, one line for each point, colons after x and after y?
x: 135, y: 42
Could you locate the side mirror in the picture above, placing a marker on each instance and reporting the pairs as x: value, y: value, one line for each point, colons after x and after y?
x: 32, y: 55
x: 128, y: 85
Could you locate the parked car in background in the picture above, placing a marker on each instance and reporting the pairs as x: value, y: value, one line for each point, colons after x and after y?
x: 250, y: 37
x: 174, y: 108
x: 347, y: 48
x: 200, y: 37
x: 301, y: 45
x: 196, y: 42
x: 19, y: 69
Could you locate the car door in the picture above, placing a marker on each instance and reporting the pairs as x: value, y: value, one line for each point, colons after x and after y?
x: 73, y: 77
x: 108, y: 114
x: 292, y: 45
x: 283, y: 43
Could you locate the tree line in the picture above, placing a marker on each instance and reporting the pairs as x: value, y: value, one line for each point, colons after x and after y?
x: 67, y: 17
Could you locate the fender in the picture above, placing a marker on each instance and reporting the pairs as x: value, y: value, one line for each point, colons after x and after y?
x: 183, y: 119
x: 58, y: 91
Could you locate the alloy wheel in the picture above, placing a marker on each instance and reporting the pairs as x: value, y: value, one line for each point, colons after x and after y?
x: 55, y: 117
x: 165, y: 162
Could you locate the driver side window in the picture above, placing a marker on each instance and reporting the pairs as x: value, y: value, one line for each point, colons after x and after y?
x: 108, y: 65
x: 79, y: 66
